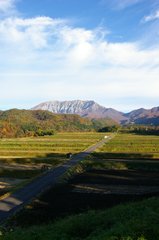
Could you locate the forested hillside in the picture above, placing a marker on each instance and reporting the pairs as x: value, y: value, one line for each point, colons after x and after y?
x: 18, y: 123
x: 21, y: 123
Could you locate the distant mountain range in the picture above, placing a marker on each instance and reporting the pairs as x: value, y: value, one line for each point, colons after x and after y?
x: 93, y: 110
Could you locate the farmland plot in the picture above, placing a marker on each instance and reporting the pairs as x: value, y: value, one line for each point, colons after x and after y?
x: 23, y: 158
x: 103, y: 183
x: 132, y: 146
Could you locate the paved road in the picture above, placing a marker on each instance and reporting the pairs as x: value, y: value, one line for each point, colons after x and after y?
x: 15, y: 202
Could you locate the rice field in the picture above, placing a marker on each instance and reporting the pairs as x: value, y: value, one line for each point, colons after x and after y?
x: 126, y: 151
x: 45, y: 149
x: 132, y: 146
x: 22, y: 159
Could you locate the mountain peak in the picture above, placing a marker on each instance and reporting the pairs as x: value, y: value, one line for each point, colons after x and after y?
x: 88, y: 108
x: 91, y: 109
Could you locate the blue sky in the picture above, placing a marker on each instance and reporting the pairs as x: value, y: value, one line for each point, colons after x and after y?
x: 102, y: 50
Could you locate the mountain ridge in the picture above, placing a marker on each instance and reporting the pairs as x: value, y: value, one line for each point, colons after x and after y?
x: 91, y: 109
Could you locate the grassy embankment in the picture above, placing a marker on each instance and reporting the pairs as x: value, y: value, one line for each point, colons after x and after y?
x: 135, y: 221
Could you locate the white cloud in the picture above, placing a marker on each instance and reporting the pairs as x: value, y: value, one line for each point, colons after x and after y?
x: 45, y: 58
x: 34, y: 31
x: 7, y: 6
x: 151, y: 17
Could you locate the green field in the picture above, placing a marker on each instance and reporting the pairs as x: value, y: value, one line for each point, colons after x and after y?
x: 126, y: 151
x: 132, y: 146
x: 26, y: 155
x: 45, y: 147
x: 34, y: 151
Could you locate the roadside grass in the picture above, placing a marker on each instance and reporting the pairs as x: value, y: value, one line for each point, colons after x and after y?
x: 133, y: 221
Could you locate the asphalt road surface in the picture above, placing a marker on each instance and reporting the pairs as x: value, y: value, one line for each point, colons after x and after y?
x: 16, y: 201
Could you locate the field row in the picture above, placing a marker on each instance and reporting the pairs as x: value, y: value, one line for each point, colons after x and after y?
x: 131, y: 143
x: 42, y: 148
x: 22, y: 159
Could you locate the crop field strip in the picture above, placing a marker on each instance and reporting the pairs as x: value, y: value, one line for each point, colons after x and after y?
x: 127, y: 151
x: 133, y: 144
x: 22, y: 158
x: 43, y: 146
